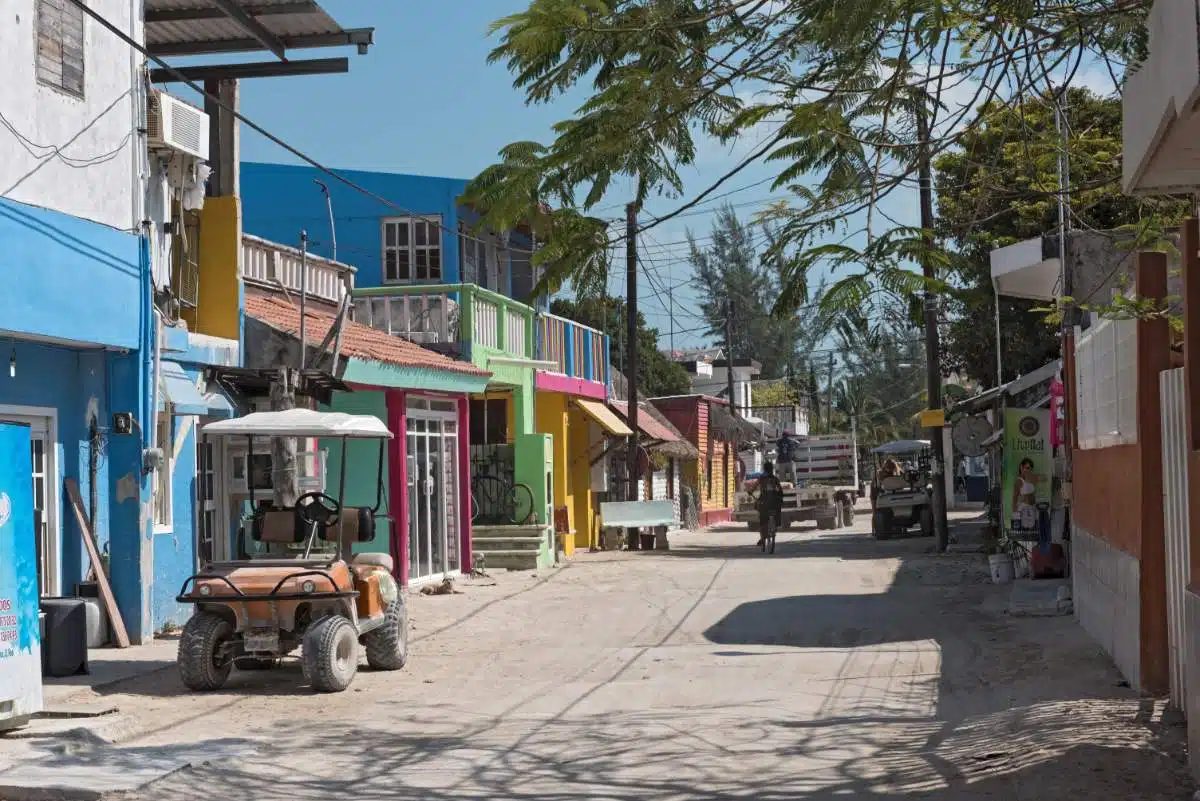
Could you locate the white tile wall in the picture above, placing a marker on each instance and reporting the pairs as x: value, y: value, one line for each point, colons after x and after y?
x: 1107, y: 595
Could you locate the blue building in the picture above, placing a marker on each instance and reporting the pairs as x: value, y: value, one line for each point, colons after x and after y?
x: 426, y: 274
x: 122, y: 283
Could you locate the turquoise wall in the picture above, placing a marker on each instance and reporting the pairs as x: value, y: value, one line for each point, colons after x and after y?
x: 362, y: 457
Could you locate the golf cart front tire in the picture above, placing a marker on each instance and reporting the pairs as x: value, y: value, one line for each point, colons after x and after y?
x: 330, y: 654
x: 387, y: 646
x: 881, y: 524
x: 925, y: 518
x: 199, y: 647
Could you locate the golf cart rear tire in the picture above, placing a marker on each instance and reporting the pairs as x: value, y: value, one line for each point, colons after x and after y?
x: 199, y: 644
x: 387, y: 646
x: 330, y: 654
x: 881, y: 524
x: 925, y: 517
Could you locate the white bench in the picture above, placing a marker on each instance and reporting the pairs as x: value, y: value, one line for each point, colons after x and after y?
x: 657, y: 515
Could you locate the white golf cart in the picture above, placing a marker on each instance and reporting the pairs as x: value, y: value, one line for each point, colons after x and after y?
x: 904, y: 499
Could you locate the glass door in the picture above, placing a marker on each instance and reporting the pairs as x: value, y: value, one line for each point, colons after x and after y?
x: 450, y: 494
x: 47, y: 552
x: 433, y: 513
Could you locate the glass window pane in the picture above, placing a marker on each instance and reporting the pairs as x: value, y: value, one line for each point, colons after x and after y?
x: 402, y: 233
x: 389, y: 234
x: 435, y: 263
x: 420, y: 235
x: 389, y: 265
x: 422, y: 263
x: 403, y: 272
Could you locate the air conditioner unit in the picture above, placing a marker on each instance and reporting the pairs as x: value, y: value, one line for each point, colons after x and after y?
x: 174, y: 125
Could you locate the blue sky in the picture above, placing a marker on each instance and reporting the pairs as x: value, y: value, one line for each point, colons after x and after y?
x: 424, y: 100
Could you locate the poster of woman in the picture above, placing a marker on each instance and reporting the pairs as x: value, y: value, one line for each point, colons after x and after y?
x: 1028, y: 467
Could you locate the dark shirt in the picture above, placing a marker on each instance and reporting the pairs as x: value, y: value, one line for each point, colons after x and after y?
x: 770, y: 494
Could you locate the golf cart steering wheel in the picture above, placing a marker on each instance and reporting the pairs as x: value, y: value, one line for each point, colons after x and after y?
x: 317, y: 508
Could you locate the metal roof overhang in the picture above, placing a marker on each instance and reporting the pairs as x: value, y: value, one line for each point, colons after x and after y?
x: 1028, y: 270
x: 180, y: 28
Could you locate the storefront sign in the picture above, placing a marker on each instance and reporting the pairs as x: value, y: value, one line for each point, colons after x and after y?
x: 1028, y: 466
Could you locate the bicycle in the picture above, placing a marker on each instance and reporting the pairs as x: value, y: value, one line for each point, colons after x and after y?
x: 497, y: 501
x: 768, y: 536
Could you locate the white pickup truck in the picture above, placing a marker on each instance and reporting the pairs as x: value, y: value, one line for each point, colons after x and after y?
x: 821, y: 483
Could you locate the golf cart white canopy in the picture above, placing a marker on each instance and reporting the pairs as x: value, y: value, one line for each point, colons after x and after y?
x: 902, y: 446
x: 301, y: 423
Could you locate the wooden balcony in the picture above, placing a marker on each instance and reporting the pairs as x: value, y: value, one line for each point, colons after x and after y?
x: 270, y: 265
x: 461, y: 318
x: 578, y: 350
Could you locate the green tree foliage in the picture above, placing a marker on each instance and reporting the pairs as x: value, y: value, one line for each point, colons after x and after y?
x: 880, y: 380
x: 775, y: 393
x: 657, y: 375
x: 1000, y: 186
x: 850, y: 94
x: 730, y: 270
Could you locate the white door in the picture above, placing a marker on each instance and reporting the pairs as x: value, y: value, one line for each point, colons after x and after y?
x: 43, y: 459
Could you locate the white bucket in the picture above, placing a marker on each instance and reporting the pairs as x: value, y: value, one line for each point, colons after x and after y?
x: 1001, y: 565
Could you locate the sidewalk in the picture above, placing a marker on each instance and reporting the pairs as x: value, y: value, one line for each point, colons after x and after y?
x: 86, y: 744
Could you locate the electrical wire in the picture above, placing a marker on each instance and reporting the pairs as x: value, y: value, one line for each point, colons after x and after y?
x: 337, y: 176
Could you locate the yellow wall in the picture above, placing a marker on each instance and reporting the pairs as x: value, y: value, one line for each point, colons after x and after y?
x: 579, y: 452
x: 570, y: 432
x: 218, y: 309
x: 552, y: 419
x: 723, y: 459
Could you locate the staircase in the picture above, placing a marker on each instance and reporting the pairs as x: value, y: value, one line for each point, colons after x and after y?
x: 512, y: 547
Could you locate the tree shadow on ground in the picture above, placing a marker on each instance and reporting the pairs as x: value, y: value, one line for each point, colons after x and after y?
x: 1031, y: 754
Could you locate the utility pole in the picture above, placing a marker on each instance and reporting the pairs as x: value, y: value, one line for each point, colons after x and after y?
x: 671, y: 314
x: 631, y: 295
x: 303, y: 291
x: 332, y: 225
x: 829, y: 397
x: 729, y: 356
x: 932, y: 372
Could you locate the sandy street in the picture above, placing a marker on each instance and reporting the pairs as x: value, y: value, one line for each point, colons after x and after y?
x: 840, y: 667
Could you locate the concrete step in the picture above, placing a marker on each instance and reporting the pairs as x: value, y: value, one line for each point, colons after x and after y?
x: 506, y: 532
x: 492, y: 544
x: 510, y: 560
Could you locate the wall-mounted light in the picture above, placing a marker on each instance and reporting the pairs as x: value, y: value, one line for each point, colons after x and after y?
x: 12, y: 364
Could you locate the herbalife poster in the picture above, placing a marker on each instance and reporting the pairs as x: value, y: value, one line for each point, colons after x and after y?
x: 1028, y: 466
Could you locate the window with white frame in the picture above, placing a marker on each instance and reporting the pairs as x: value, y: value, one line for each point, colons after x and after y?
x: 412, y: 249
x: 1106, y: 384
x: 475, y: 257
x: 60, y: 37
x: 162, y: 476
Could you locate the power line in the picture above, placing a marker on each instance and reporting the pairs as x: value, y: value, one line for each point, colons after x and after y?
x: 179, y: 76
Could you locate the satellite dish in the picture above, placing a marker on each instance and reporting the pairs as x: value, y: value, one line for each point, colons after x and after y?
x: 969, y: 435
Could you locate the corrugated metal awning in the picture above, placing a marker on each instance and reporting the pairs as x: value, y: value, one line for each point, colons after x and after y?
x: 197, y: 27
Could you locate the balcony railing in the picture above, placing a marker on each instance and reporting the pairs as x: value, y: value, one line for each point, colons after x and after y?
x: 448, y: 314
x: 271, y: 265
x: 578, y: 350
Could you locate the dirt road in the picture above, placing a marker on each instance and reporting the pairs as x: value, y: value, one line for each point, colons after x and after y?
x: 837, y: 668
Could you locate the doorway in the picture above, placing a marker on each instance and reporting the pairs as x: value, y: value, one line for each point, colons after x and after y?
x: 431, y: 440
x: 44, y: 468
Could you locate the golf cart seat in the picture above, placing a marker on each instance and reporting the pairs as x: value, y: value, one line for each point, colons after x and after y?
x: 374, y: 560
x: 893, y: 483
x: 358, y: 525
x: 280, y: 526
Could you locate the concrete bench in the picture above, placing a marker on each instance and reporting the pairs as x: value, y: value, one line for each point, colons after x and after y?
x: 657, y: 515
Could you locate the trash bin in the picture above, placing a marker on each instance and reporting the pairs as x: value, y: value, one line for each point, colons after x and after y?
x: 64, y: 647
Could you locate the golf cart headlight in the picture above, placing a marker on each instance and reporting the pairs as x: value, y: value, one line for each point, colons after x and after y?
x: 205, y: 590
x: 308, y: 586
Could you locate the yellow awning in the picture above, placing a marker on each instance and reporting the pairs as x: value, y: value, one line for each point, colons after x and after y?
x: 606, y: 417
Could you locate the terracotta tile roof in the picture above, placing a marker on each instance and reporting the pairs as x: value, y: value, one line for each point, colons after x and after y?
x: 649, y: 426
x: 358, y: 340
